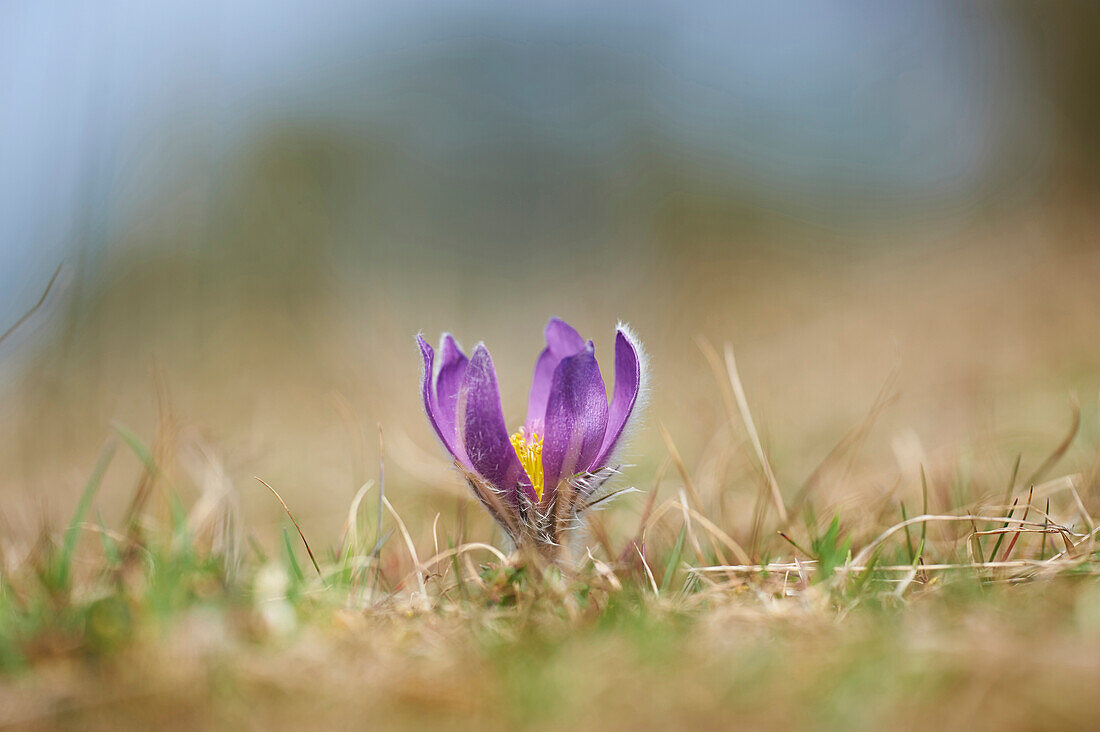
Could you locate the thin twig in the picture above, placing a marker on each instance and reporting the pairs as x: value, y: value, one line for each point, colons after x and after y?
x: 294, y: 521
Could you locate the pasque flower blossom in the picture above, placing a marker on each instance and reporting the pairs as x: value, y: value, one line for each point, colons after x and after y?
x: 537, y: 481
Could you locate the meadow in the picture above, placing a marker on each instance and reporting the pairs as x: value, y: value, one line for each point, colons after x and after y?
x: 866, y: 499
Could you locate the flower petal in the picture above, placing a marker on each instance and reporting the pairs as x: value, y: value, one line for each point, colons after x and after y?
x: 447, y: 382
x: 480, y: 421
x: 562, y: 338
x: 443, y: 428
x: 562, y: 341
x: 576, y: 418
x: 628, y: 385
x: 426, y: 389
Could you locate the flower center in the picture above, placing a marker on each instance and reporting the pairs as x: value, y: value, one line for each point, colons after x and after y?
x: 529, y: 449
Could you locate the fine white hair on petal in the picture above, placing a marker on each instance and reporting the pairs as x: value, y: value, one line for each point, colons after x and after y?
x: 438, y: 365
x: 635, y: 418
x: 416, y: 339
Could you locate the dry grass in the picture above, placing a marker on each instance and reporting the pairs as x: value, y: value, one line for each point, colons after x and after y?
x: 881, y: 552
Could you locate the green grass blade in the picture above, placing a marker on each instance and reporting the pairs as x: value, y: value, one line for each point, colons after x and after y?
x: 72, y: 534
x: 181, y: 533
x: 136, y: 446
x: 863, y: 582
x: 458, y: 572
x: 673, y: 560
x: 924, y: 509
x: 1001, y: 537
x: 257, y: 550
x: 110, y: 546
x: 908, y: 537
x: 295, y: 568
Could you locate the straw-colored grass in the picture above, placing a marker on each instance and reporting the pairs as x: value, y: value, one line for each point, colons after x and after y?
x: 861, y: 577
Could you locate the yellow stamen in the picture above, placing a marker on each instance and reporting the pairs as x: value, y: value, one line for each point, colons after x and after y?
x: 529, y: 449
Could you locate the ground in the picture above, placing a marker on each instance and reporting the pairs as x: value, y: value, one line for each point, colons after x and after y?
x: 930, y: 419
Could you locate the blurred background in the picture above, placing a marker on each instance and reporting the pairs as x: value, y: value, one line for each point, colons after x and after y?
x: 256, y: 206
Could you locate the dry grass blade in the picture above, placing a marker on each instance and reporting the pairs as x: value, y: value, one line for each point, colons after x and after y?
x: 1080, y: 504
x: 806, y: 565
x: 680, y: 467
x: 647, y: 510
x: 26, y: 316
x: 746, y: 416
x: 717, y: 533
x: 294, y: 521
x: 648, y: 572
x: 851, y: 439
x: 471, y: 570
x: 435, y: 531
x: 667, y: 505
x: 355, y: 434
x: 865, y: 553
x: 408, y: 543
x: 606, y: 572
x: 599, y: 532
x: 691, y: 530
x: 1015, y: 538
x: 460, y: 550
x: 1060, y: 450
x: 720, y: 378
x: 714, y: 533
x: 162, y: 453
x: 351, y: 523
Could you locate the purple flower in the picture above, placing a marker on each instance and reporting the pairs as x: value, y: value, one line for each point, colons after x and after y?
x: 538, y: 480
